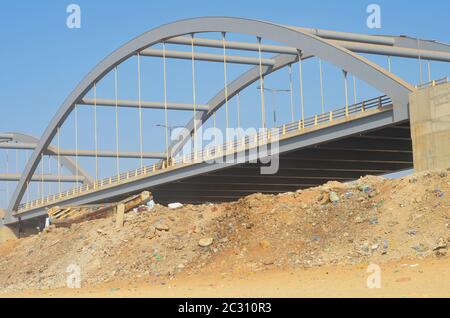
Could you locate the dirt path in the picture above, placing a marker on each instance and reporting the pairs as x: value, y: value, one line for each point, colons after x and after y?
x: 407, y: 278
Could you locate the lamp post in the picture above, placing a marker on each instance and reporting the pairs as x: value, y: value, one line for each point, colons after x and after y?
x: 274, y: 92
x: 170, y: 128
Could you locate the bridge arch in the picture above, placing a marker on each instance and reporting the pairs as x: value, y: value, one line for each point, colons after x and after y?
x: 308, y: 43
x: 66, y: 162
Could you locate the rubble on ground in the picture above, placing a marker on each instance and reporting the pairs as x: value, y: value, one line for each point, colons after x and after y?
x: 371, y: 219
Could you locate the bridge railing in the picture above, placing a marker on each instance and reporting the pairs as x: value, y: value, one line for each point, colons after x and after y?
x: 433, y: 83
x: 211, y: 152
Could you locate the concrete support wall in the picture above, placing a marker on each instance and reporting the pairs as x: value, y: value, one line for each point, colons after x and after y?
x: 430, y: 127
x: 15, y: 231
x: 6, y: 233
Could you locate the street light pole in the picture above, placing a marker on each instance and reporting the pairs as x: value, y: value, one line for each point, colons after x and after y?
x: 168, y: 127
x: 274, y: 92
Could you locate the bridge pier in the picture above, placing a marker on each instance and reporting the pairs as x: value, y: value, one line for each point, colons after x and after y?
x: 17, y: 230
x: 430, y: 127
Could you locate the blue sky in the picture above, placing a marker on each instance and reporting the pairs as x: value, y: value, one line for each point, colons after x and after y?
x: 41, y: 60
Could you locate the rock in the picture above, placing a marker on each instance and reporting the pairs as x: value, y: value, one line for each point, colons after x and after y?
x: 359, y: 219
x: 420, y: 248
x: 365, y: 248
x: 205, y: 242
x: 175, y: 205
x: 441, y: 244
x: 439, y: 193
x: 162, y: 227
x: 374, y: 247
x: 150, y: 232
x: 142, y: 208
x: 334, y: 198
x: 223, y: 240
x: 441, y: 252
x: 373, y: 220
x: 150, y: 204
x: 99, y: 231
x: 443, y: 174
x: 365, y: 188
x: 264, y: 244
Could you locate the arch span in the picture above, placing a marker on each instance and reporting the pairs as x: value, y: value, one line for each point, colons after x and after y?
x: 371, y: 73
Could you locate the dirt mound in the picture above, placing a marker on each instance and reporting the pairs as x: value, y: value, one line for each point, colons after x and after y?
x: 372, y: 219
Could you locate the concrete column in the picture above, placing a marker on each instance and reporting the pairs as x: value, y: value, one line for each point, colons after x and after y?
x: 6, y: 233
x: 15, y: 231
x: 430, y: 127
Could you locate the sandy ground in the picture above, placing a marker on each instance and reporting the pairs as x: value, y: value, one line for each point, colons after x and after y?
x: 309, y: 243
x: 406, y: 278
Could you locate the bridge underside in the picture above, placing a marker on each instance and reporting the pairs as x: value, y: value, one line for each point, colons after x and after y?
x: 376, y: 152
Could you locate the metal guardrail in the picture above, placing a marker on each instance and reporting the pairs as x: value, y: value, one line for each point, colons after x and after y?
x: 213, y: 152
x: 433, y: 83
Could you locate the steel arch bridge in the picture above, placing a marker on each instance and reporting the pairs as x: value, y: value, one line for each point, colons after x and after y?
x: 368, y: 136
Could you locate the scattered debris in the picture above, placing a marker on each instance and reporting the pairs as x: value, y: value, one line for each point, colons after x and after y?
x: 175, y: 205
x: 363, y: 223
x: 67, y: 215
x: 441, y: 244
x: 334, y: 198
x: 205, y: 242
x: 151, y: 204
x: 419, y: 248
x: 162, y: 227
